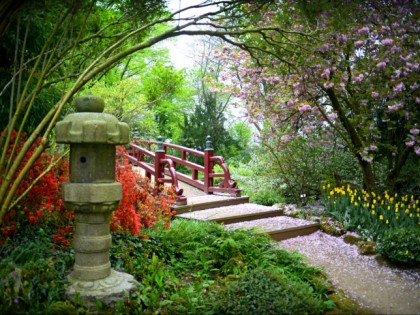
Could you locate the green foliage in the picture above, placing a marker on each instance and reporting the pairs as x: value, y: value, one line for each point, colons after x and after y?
x: 268, y: 292
x: 32, y: 275
x: 241, y: 133
x: 208, y: 119
x: 168, y: 97
x: 401, y: 245
x: 257, y: 177
x: 184, y: 268
x: 295, y: 170
x: 266, y: 197
x: 188, y: 269
x: 408, y: 183
x: 209, y: 116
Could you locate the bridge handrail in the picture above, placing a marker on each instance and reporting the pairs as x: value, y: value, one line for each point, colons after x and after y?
x: 227, y: 185
x: 136, y: 157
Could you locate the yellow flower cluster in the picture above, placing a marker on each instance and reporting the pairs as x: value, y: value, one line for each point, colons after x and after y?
x: 386, y: 208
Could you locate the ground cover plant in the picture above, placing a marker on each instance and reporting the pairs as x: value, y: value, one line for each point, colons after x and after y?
x: 192, y: 268
x: 390, y: 220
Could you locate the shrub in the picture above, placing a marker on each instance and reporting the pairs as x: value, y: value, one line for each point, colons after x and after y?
x: 141, y: 206
x: 268, y: 292
x: 401, y: 245
x: 40, y: 196
x: 266, y: 197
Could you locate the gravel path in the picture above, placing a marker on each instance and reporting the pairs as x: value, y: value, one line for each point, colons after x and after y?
x: 372, y: 284
x: 271, y: 224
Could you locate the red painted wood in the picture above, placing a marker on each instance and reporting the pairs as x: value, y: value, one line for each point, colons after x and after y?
x: 161, y: 159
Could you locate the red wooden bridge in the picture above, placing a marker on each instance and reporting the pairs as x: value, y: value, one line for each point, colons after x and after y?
x: 163, y: 162
x: 221, y: 200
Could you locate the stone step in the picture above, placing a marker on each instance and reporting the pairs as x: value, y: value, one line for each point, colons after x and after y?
x: 200, y: 203
x: 280, y: 227
x: 233, y: 214
x: 267, y: 219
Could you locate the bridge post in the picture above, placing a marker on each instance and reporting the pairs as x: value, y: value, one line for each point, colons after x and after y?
x: 208, y: 165
x: 159, y: 167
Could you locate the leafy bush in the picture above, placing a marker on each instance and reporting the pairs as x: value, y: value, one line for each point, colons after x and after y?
x: 257, y: 180
x: 141, y: 206
x: 268, y: 292
x: 401, y: 245
x: 40, y: 200
x: 266, y: 197
x: 295, y: 169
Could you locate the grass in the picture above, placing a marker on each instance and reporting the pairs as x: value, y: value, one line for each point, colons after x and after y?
x: 192, y: 268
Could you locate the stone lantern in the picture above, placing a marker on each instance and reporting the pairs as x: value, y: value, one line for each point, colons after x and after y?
x: 93, y: 194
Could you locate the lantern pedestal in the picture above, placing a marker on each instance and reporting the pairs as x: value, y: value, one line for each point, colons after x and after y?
x: 109, y: 290
x: 93, y: 194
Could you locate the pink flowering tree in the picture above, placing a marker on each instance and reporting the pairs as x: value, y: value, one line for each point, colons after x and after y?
x: 350, y: 69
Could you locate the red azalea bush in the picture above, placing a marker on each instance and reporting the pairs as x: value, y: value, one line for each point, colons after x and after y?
x: 141, y: 205
x: 43, y: 203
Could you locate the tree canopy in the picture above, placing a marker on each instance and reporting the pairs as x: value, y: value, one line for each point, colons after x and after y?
x: 300, y: 68
x: 346, y: 68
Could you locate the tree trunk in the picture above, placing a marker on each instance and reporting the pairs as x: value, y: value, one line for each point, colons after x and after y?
x: 368, y: 175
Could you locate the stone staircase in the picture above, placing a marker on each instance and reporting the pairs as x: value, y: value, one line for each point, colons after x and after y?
x: 237, y: 212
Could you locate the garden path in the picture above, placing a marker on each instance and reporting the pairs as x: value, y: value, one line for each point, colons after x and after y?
x: 376, y: 286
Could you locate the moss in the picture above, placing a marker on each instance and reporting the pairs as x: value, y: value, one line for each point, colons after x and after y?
x: 345, y: 305
x: 62, y: 308
x: 331, y: 227
x: 367, y: 248
x: 352, y: 239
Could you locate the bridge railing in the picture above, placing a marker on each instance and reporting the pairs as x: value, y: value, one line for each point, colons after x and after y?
x: 161, y: 163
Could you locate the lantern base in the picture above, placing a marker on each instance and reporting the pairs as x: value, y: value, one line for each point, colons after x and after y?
x: 116, y: 287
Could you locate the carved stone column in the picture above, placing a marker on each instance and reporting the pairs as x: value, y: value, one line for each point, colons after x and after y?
x: 93, y: 194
